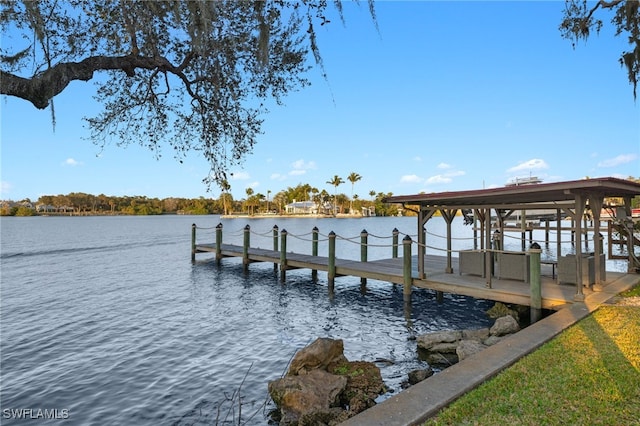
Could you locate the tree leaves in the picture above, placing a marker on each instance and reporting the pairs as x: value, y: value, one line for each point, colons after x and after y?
x: 191, y: 75
x: 579, y: 22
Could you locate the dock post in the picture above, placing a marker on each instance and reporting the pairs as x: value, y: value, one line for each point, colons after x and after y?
x: 283, y: 255
x: 275, y: 244
x: 193, y: 242
x: 394, y: 248
x: 331, y: 272
x: 218, y: 242
x: 534, y: 282
x: 406, y: 268
x: 546, y: 232
x: 314, y: 251
x: 364, y: 238
x: 245, y: 247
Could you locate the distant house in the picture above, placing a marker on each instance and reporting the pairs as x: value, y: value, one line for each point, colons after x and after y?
x: 301, y: 207
x: 368, y: 211
x: 46, y: 208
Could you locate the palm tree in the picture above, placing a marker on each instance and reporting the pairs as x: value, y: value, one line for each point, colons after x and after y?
x: 337, y: 180
x: 268, y: 195
x: 353, y: 178
x: 249, y: 201
x: 225, y: 186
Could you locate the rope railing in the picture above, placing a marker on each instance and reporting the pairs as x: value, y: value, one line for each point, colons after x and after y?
x: 307, y: 239
x: 362, y: 239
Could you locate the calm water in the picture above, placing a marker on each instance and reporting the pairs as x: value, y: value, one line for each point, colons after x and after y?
x: 106, y: 320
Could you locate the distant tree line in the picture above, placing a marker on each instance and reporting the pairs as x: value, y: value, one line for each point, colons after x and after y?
x: 79, y: 203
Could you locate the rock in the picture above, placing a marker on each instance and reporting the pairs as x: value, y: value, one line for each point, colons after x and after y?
x: 504, y: 325
x: 364, y: 384
x: 492, y: 340
x: 298, y: 396
x: 323, y: 388
x: 437, y: 359
x: 466, y: 348
x: 416, y: 376
x: 500, y: 310
x: 478, y: 335
x: 318, y: 355
x: 445, y: 348
x: 426, y: 341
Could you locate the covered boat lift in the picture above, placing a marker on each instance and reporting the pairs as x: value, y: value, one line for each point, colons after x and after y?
x: 569, y: 198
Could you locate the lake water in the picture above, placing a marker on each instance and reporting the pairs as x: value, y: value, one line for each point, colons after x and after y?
x: 105, y: 320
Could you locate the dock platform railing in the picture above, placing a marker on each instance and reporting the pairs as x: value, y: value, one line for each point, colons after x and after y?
x: 404, y: 273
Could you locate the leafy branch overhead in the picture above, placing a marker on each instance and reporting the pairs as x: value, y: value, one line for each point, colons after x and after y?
x: 194, y: 75
x: 580, y: 21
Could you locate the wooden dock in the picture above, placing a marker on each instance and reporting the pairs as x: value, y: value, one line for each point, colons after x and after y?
x: 554, y: 295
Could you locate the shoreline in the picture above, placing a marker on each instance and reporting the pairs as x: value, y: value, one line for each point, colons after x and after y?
x: 296, y: 216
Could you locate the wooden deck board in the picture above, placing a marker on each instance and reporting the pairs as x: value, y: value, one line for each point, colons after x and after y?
x: 554, y: 295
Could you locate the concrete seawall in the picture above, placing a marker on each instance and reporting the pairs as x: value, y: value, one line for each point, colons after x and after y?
x: 423, y: 400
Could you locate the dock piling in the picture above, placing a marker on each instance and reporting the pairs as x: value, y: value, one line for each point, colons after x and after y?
x: 394, y: 247
x: 245, y: 247
x: 331, y: 266
x: 406, y: 268
x: 364, y: 236
x: 535, y: 284
x: 275, y: 244
x: 193, y: 243
x: 218, y: 242
x: 283, y: 255
x: 314, y: 251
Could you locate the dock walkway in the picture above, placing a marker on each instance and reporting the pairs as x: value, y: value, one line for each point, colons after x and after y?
x: 554, y: 295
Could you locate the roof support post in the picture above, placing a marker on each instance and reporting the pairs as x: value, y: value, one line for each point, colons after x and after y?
x: 488, y: 257
x: 579, y: 212
x: 628, y: 225
x: 595, y: 202
x: 558, y: 239
x: 423, y: 216
x: 449, y: 215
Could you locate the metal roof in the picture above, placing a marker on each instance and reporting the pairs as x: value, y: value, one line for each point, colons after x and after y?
x: 544, y: 194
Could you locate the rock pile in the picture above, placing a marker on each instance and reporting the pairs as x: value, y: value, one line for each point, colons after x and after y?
x: 444, y: 348
x: 323, y: 387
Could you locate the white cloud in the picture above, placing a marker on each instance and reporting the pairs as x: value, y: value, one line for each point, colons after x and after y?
x: 616, y: 161
x: 240, y: 176
x: 533, y: 164
x: 277, y: 176
x: 455, y: 173
x: 439, y: 179
x: 444, y: 177
x: 300, y: 167
x: 303, y: 165
x: 71, y: 162
x: 410, y: 179
x: 5, y: 187
x: 417, y: 158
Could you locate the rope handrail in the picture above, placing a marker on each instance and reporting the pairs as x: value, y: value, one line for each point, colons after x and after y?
x: 357, y: 240
x: 306, y: 239
x: 205, y: 228
x: 444, y: 237
x: 263, y: 234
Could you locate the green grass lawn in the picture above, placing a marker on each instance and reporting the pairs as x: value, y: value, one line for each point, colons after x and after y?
x: 588, y: 375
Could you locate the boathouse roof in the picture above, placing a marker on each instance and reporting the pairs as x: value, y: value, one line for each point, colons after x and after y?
x: 560, y: 193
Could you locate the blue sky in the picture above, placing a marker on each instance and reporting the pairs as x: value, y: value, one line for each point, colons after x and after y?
x: 447, y: 96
